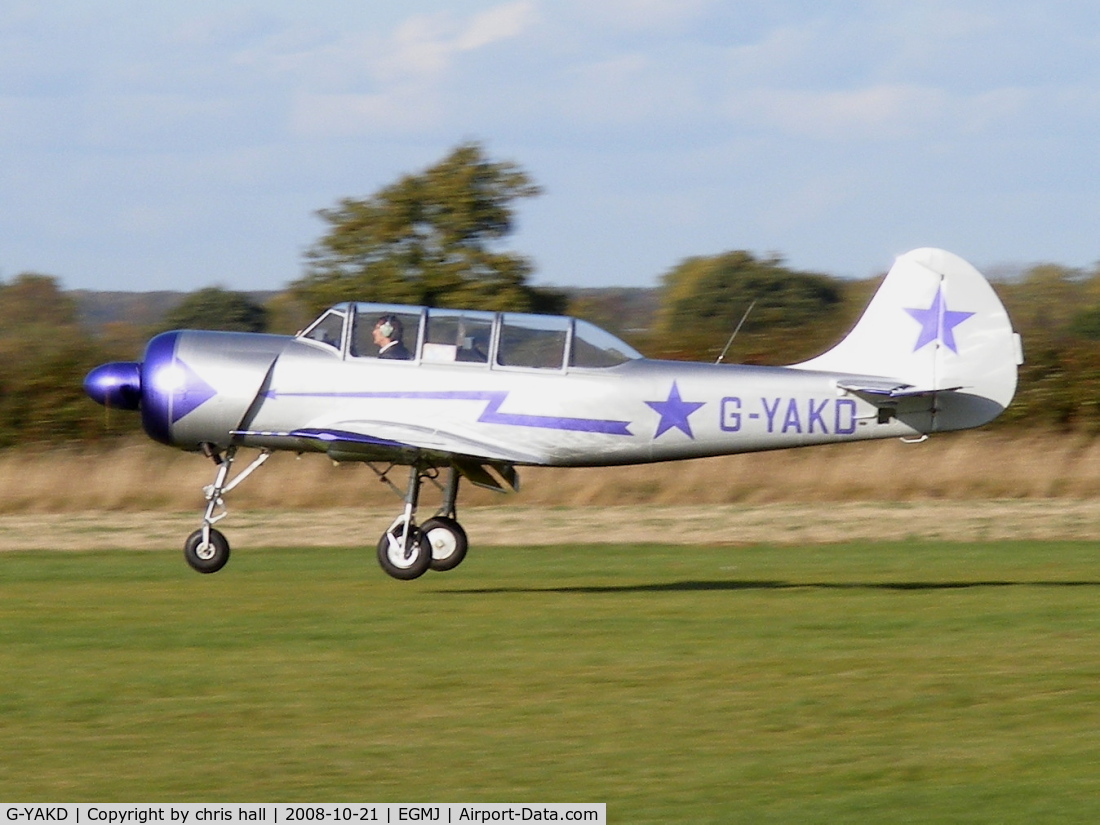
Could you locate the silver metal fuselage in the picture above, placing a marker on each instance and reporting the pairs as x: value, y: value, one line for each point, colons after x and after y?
x: 290, y: 394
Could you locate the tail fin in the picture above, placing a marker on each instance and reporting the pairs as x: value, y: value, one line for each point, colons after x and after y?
x: 935, y: 327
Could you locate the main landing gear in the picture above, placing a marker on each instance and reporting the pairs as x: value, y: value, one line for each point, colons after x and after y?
x: 405, y: 551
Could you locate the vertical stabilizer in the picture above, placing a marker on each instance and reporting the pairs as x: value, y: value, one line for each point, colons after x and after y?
x: 937, y: 325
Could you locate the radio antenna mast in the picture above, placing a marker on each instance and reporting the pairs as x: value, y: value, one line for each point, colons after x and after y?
x: 735, y: 331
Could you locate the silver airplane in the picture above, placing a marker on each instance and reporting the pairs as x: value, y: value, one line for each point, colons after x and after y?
x: 468, y: 394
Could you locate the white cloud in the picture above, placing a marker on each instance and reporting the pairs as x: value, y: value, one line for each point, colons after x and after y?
x: 496, y: 24
x: 421, y: 46
x: 363, y: 83
x: 875, y: 112
x: 642, y: 15
x: 428, y: 45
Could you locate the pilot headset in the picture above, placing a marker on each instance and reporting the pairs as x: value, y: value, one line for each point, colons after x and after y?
x: 386, y: 325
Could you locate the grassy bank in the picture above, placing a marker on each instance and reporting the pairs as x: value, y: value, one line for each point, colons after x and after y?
x: 852, y: 682
x: 964, y: 466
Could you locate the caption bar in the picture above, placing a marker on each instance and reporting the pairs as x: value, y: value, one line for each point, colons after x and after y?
x: 302, y: 814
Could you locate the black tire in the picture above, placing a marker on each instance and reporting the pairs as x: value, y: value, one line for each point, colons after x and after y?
x: 206, y: 559
x: 447, y: 540
x: 409, y: 561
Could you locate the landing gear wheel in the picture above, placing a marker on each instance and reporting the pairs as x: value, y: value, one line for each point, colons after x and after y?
x: 448, y: 542
x: 206, y: 557
x: 404, y: 560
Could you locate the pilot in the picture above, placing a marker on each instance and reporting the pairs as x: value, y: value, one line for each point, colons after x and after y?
x: 387, y: 337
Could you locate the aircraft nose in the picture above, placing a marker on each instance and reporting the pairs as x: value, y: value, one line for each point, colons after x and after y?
x: 116, y: 385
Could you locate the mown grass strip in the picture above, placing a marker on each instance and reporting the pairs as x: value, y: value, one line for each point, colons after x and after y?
x: 856, y: 682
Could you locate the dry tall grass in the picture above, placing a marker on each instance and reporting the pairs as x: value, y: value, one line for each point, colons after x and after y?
x: 970, y: 466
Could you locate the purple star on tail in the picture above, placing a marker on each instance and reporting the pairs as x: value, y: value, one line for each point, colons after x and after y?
x: 937, y: 323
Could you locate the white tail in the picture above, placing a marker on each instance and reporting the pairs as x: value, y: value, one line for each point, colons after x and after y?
x: 936, y: 326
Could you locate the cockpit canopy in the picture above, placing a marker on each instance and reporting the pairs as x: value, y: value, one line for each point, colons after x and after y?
x: 430, y: 335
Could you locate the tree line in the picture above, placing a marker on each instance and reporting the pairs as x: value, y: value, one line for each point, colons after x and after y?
x: 434, y: 238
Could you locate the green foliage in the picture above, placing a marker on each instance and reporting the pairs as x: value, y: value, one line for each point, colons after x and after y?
x: 1086, y: 324
x: 704, y: 299
x: 219, y: 309
x: 286, y: 315
x: 44, y: 356
x: 428, y: 239
x: 1054, y: 308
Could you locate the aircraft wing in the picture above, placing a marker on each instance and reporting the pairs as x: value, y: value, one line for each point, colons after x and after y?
x: 484, y: 464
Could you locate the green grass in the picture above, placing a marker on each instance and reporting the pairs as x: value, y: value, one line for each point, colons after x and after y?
x: 904, y: 682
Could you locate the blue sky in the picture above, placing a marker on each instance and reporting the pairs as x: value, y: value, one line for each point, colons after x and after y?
x: 178, y: 145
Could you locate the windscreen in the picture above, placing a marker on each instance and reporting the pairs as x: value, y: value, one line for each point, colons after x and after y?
x: 592, y: 347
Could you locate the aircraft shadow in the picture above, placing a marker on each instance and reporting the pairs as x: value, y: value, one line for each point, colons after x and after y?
x: 765, y: 584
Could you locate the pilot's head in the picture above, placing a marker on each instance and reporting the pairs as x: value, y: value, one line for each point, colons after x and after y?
x: 387, y: 328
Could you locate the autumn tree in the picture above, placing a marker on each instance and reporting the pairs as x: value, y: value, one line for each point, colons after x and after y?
x: 44, y: 356
x: 1056, y: 311
x: 429, y: 238
x: 704, y: 298
x: 219, y: 309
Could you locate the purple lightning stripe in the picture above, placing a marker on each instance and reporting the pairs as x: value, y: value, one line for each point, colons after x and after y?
x: 343, y: 435
x: 491, y: 413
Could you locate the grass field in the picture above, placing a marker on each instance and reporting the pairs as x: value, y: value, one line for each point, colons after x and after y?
x: 905, y: 682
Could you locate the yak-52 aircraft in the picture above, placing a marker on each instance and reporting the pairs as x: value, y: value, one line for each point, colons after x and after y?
x: 468, y: 394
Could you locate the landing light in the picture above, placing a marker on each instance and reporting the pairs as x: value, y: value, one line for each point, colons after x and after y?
x: 170, y: 379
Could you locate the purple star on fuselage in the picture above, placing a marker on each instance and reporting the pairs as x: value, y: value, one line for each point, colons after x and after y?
x: 674, y: 412
x: 937, y: 323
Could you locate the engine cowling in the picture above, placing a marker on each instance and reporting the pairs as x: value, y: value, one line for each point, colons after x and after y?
x: 192, y: 387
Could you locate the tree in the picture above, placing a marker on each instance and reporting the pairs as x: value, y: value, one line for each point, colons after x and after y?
x: 1054, y: 309
x: 428, y: 239
x: 33, y: 298
x: 704, y: 298
x: 1086, y: 324
x: 44, y: 356
x: 1044, y: 300
x: 217, y: 308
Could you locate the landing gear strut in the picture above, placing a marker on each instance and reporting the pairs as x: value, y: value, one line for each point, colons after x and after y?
x: 207, y: 549
x: 403, y: 550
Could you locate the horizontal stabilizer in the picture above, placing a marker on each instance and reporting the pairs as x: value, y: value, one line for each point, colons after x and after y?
x: 875, y: 391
